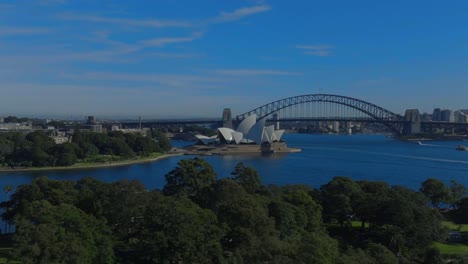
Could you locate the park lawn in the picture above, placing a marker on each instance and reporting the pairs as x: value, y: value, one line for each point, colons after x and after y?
x: 106, y: 161
x: 453, y: 226
x: 354, y: 225
x: 452, y: 248
x: 4, y: 258
x: 359, y: 224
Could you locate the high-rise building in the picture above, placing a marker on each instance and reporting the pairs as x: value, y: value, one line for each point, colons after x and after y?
x: 460, y: 117
x: 447, y: 115
x: 436, y: 115
x: 91, y: 120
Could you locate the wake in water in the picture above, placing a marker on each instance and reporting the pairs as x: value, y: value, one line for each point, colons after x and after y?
x: 399, y: 155
x: 434, y: 145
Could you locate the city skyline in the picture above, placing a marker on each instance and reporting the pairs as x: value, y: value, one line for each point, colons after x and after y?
x: 195, y: 58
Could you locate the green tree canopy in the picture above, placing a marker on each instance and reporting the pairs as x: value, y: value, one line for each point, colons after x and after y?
x: 60, y: 234
x: 189, y: 178
x: 176, y: 230
x: 435, y: 191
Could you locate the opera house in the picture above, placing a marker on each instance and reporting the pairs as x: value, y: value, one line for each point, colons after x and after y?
x: 249, y: 131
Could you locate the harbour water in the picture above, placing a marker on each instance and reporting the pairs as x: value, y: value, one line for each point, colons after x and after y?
x: 369, y: 157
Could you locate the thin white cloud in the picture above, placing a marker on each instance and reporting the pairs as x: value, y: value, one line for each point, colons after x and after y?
x: 255, y: 72
x: 126, y: 21
x: 9, y: 31
x: 160, y: 42
x: 185, y: 81
x: 316, y: 50
x: 156, y: 23
x: 241, y: 13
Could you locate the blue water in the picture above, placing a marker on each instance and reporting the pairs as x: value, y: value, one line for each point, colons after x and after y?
x: 370, y: 157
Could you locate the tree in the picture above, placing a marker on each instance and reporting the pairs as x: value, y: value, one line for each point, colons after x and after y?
x: 374, y: 195
x: 7, y: 189
x: 60, y: 234
x: 313, y: 211
x: 406, y: 224
x: 162, y: 140
x: 248, y: 177
x: 55, y: 192
x: 87, y: 150
x: 340, y: 198
x: 249, y: 232
x: 318, y: 247
x: 435, y: 191
x: 372, y: 254
x: 176, y: 230
x: 461, y: 213
x: 457, y: 192
x: 189, y: 178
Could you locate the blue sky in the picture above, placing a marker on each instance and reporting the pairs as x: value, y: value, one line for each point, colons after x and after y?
x: 169, y: 58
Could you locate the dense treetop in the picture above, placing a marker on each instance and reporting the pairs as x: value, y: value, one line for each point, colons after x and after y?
x: 200, y: 218
x: 37, y: 149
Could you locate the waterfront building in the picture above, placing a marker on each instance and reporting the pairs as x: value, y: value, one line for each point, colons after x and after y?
x: 249, y: 131
x: 141, y: 131
x: 460, y: 117
x: 436, y: 115
x: 91, y: 120
x: 16, y: 126
x: 336, y: 126
x: 59, y: 137
x: 447, y: 115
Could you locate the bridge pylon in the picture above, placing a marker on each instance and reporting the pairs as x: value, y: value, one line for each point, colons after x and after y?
x: 227, y: 118
x: 413, y: 125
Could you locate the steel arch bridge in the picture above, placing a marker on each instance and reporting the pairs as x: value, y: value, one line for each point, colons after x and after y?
x: 328, y: 107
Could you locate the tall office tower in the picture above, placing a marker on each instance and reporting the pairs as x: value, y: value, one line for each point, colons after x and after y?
x: 436, y: 115
x: 447, y: 115
x: 91, y: 120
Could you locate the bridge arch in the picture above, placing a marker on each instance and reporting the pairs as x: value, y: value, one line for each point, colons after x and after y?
x: 374, y: 112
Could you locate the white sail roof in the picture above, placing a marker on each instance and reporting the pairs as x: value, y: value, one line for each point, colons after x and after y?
x: 277, y: 135
x: 246, y: 124
x: 226, y: 133
x: 268, y: 134
x: 206, y: 140
x: 256, y: 132
x: 249, y: 130
x: 238, y: 136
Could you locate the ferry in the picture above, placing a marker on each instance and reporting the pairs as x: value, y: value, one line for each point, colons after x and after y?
x: 461, y: 147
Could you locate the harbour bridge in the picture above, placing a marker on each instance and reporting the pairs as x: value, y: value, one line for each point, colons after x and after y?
x: 323, y: 107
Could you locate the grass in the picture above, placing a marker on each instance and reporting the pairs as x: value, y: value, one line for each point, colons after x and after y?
x: 4, y: 256
x: 354, y: 225
x: 455, y: 248
x: 453, y: 226
x: 90, y: 165
x: 452, y: 248
x: 359, y: 224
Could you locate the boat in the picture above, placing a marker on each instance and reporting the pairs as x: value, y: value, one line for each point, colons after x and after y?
x: 419, y: 143
x: 461, y: 147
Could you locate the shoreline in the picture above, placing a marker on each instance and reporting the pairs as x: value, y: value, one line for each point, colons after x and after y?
x: 93, y: 166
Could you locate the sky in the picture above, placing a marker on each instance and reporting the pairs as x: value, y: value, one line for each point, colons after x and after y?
x: 192, y: 59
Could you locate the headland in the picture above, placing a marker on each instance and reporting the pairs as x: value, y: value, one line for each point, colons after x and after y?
x: 231, y: 149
